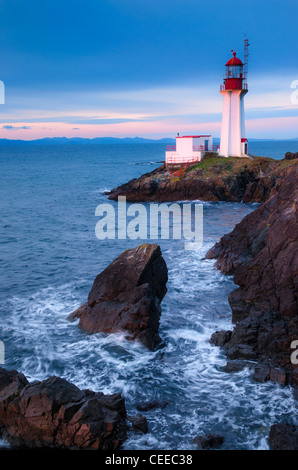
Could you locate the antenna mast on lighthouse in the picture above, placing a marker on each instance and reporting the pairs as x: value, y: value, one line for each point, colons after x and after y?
x: 246, y: 54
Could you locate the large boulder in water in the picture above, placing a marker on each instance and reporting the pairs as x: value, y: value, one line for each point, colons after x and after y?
x: 55, y: 413
x: 126, y: 296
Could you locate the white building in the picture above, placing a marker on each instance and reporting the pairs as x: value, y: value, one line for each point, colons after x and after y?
x: 233, y: 142
x: 188, y: 149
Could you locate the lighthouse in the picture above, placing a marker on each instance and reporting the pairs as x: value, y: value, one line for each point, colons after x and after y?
x: 233, y: 142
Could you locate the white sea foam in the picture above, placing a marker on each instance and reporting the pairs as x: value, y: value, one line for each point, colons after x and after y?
x: 185, y: 370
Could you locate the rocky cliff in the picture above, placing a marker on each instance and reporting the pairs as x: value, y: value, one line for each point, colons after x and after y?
x: 213, y: 179
x: 262, y: 253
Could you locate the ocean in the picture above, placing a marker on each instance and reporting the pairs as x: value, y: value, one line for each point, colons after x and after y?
x: 49, y: 259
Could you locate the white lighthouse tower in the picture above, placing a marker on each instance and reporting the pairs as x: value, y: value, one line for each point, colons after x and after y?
x: 233, y: 142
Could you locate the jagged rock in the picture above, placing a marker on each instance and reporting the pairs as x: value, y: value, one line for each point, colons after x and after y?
x: 126, y: 296
x: 208, y: 441
x: 139, y: 423
x: 278, y: 376
x: 11, y: 383
x: 56, y: 413
x: 241, y: 351
x: 151, y: 404
x: 236, y: 366
x: 262, y: 253
x: 221, y: 338
x: 261, y: 373
x: 283, y: 436
x: 291, y: 156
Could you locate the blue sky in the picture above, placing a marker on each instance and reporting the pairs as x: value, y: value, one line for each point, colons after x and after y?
x: 140, y: 67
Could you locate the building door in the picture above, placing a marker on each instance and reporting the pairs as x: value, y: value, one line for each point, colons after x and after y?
x: 206, y: 145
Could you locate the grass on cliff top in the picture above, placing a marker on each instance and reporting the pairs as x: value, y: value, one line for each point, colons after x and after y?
x: 226, y: 166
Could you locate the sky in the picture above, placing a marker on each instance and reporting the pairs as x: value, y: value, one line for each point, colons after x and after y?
x: 147, y: 68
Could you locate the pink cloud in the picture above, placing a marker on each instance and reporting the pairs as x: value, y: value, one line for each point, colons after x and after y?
x: 282, y: 127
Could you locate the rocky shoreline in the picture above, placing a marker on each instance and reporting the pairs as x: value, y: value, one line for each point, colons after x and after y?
x: 261, y: 252
x: 56, y: 414
x: 215, y: 178
x: 262, y: 255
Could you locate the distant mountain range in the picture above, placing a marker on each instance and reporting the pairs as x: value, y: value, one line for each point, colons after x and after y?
x: 82, y: 140
x: 109, y: 140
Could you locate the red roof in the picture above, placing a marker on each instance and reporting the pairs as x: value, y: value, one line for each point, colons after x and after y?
x: 234, y: 60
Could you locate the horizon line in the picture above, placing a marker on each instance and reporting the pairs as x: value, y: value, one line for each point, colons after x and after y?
x: 127, y: 137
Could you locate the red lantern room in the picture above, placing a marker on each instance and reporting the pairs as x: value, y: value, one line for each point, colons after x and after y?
x: 234, y: 76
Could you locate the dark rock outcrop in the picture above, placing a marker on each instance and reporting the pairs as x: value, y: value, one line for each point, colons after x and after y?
x: 236, y: 366
x: 262, y: 253
x: 55, y: 413
x: 208, y: 441
x: 212, y: 179
x: 126, y: 296
x: 152, y: 404
x: 283, y: 436
x: 221, y: 338
x: 139, y: 423
x: 291, y: 156
x: 264, y: 372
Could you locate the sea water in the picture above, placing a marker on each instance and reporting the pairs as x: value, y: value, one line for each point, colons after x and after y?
x: 49, y: 259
